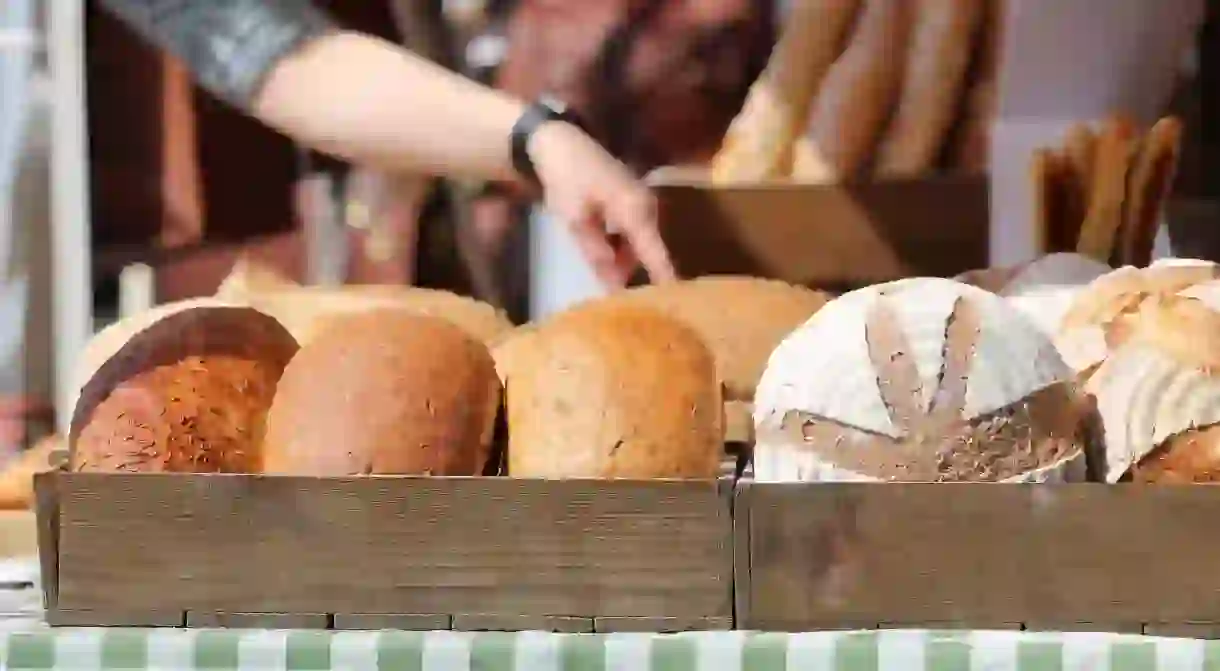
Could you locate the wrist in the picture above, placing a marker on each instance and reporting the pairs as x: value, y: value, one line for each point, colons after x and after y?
x: 541, y: 128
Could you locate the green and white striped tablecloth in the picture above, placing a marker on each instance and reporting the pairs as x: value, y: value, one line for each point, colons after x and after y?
x: 227, y: 650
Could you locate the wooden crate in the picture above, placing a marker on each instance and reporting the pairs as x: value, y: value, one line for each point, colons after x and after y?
x: 373, y: 552
x: 1041, y: 557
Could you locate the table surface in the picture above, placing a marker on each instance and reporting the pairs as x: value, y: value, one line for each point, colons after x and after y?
x: 27, y: 643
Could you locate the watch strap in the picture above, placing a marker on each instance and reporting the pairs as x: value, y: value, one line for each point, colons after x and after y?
x: 535, y: 115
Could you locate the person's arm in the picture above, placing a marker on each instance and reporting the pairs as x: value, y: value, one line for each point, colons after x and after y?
x: 371, y: 102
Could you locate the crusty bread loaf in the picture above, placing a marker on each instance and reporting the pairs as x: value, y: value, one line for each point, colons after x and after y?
x: 1044, y: 288
x: 970, y: 148
x: 385, y: 391
x: 248, y: 277
x: 942, y: 40
x: 918, y: 380
x: 189, y: 392
x: 612, y: 391
x: 857, y: 96
x: 1099, y: 318
x: 1158, y: 393
x: 741, y: 319
x: 304, y: 310
x: 758, y: 144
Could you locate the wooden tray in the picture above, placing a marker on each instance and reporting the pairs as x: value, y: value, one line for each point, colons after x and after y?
x: 1066, y: 557
x: 373, y: 552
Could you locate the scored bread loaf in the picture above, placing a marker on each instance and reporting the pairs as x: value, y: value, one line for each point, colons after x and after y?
x: 758, y: 143
x: 741, y: 319
x: 1099, y: 318
x: 188, y: 393
x: 918, y: 380
x: 942, y: 40
x: 304, y: 310
x: 385, y: 391
x: 611, y: 391
x: 1043, y: 289
x: 855, y: 100
x: 1158, y: 394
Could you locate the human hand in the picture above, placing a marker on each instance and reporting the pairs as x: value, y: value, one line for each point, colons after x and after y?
x: 601, y: 202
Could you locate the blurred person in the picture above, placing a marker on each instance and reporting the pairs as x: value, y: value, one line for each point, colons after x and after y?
x: 368, y: 101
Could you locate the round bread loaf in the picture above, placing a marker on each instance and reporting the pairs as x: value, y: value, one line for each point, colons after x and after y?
x: 188, y: 393
x: 385, y: 391
x: 1100, y: 316
x: 306, y: 310
x: 1158, y: 394
x: 918, y: 380
x: 741, y: 319
x: 1043, y: 289
x: 612, y: 391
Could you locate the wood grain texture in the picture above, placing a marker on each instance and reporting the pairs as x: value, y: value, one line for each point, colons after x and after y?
x: 484, y: 622
x: 60, y: 617
x: 661, y: 625
x: 969, y: 553
x: 382, y: 621
x: 240, y: 544
x: 203, y: 619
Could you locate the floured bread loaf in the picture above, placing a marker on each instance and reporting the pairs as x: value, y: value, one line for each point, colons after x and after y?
x: 304, y: 310
x: 1099, y: 318
x: 385, y: 391
x: 1042, y: 289
x: 611, y: 391
x: 741, y: 319
x: 918, y: 380
x: 1158, y: 394
x: 188, y: 393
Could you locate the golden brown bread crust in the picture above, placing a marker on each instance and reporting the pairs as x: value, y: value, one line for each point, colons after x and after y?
x: 1188, y: 458
x: 1116, y: 141
x: 17, y: 478
x: 741, y: 319
x: 613, y: 391
x: 189, y: 394
x: 1113, y: 297
x: 942, y: 39
x: 306, y: 310
x: 385, y: 391
x: 1150, y: 183
x: 857, y: 96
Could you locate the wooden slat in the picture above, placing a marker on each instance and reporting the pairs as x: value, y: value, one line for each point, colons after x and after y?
x: 483, y: 622
x: 970, y: 553
x: 230, y: 543
x: 59, y: 617
x: 660, y: 624
x: 257, y: 620
x: 402, y: 622
x: 46, y: 510
x: 1204, y: 630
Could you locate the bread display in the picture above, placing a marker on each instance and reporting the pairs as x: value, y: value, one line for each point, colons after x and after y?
x: 969, y: 145
x: 249, y: 277
x: 1044, y: 288
x: 942, y: 39
x: 304, y: 310
x: 855, y: 100
x: 189, y: 392
x: 741, y: 319
x: 1100, y: 316
x: 918, y: 380
x: 612, y: 391
x: 758, y: 143
x: 1158, y: 393
x: 385, y: 392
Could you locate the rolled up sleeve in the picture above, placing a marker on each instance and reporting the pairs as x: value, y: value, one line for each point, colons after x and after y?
x: 230, y: 45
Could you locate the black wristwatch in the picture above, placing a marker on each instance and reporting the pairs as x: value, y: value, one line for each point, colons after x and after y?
x: 541, y: 111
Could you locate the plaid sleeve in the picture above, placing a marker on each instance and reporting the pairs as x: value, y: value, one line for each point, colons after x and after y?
x: 230, y: 45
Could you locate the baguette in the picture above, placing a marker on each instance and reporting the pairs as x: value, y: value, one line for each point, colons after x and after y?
x: 1151, y: 179
x: 1098, y: 233
x: 938, y: 58
x: 1078, y: 158
x: 1044, y: 175
x: 856, y: 98
x: 758, y: 144
x: 970, y: 148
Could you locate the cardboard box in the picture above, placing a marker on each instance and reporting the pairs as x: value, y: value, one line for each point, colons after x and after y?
x: 372, y: 552
x: 826, y: 236
x: 1071, y: 557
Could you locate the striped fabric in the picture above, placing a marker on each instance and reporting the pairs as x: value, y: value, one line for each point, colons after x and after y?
x: 216, y: 650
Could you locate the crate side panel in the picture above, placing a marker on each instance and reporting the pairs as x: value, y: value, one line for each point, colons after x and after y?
x: 982, y: 553
x: 394, y: 545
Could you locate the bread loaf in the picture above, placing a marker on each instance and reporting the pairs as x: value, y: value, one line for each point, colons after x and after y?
x: 741, y: 319
x: 612, y: 391
x: 972, y: 139
x: 249, y: 277
x: 1042, y: 289
x: 385, y: 391
x: 857, y: 97
x: 918, y: 380
x: 1158, y: 393
x: 1099, y: 318
x: 189, y: 392
x: 304, y: 310
x: 942, y: 41
x: 758, y: 144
